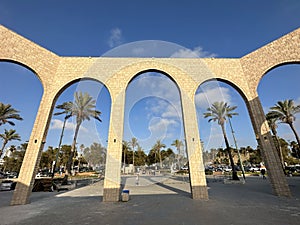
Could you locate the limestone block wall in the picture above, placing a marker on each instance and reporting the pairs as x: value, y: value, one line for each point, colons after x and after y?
x: 281, y: 51
x: 56, y: 73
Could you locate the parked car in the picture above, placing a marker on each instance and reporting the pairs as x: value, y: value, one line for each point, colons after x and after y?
x: 2, y: 175
x: 7, y: 185
x: 184, y: 168
x: 12, y: 175
x: 227, y: 169
x: 253, y: 169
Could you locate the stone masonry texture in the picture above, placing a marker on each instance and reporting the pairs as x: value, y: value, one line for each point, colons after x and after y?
x: 56, y: 73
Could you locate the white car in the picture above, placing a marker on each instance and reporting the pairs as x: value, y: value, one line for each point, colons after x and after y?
x: 7, y: 185
x: 253, y: 169
x: 227, y: 169
x: 184, y: 168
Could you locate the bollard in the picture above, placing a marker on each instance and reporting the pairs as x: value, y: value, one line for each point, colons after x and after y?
x: 125, y: 195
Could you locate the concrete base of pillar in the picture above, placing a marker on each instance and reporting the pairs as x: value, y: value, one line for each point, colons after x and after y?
x: 282, y: 190
x: 21, y: 195
x: 199, y: 192
x: 111, y: 194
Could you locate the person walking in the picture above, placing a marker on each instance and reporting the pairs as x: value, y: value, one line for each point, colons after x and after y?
x: 263, y: 172
x: 137, y: 180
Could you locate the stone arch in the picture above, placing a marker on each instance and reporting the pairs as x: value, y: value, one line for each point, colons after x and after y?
x: 281, y: 51
x: 18, y: 49
x: 115, y: 73
x: 25, y: 66
x: 63, y: 87
x: 237, y: 88
x: 255, y: 65
x: 240, y: 88
x: 166, y: 76
x: 276, y: 66
x: 149, y: 71
x: 186, y: 86
x: 125, y: 74
x: 230, y: 83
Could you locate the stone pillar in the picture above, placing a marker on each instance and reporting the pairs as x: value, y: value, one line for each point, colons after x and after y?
x: 112, y: 180
x: 268, y: 149
x: 194, y: 149
x: 32, y: 156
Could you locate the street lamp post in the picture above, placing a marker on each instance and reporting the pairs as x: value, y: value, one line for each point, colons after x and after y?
x: 239, y: 156
x: 59, y: 145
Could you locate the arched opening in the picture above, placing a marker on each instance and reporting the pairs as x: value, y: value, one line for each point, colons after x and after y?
x: 238, y: 130
x: 22, y: 89
x: 278, y: 85
x: 89, y: 158
x: 153, y: 141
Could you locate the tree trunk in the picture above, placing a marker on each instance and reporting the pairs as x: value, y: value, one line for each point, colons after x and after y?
x: 70, y: 160
x: 124, y: 164
x: 160, y: 161
x: 234, y: 172
x: 279, y: 151
x: 296, y: 135
x: 3, y: 146
x: 133, y: 161
x: 59, y: 145
x: 133, y: 157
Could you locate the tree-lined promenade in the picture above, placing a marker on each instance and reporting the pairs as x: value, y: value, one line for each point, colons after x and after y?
x: 77, y: 157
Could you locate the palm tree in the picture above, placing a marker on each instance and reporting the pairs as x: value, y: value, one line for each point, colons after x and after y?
x: 219, y: 111
x: 80, y: 155
x: 273, y: 126
x: 285, y: 111
x: 295, y: 149
x: 83, y: 108
x: 157, y: 147
x: 133, y: 143
x: 12, y: 148
x: 9, y: 135
x: 178, y: 144
x: 7, y: 113
x: 141, y: 156
x: 125, y: 147
x: 66, y: 108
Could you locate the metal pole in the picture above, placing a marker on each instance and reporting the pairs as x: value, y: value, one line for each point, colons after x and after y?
x: 59, y: 145
x: 238, y: 151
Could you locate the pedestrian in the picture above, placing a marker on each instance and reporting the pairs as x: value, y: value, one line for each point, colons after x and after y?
x: 263, y: 172
x: 137, y: 180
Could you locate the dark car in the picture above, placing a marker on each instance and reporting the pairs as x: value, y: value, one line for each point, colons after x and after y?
x: 2, y: 175
x: 7, y: 185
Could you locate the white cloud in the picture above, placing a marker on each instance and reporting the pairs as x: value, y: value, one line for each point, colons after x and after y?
x: 159, y: 128
x: 115, y: 38
x: 210, y: 95
x: 162, y: 95
x: 172, y: 111
x: 163, y: 108
x: 213, y: 137
x: 160, y: 124
x: 197, y: 52
x: 160, y: 86
x: 58, y: 124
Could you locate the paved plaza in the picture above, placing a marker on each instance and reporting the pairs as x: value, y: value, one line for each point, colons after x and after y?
x: 159, y: 200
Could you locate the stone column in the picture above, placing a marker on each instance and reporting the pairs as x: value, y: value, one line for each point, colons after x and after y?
x: 34, y: 149
x: 112, y: 180
x: 268, y: 149
x: 194, y: 149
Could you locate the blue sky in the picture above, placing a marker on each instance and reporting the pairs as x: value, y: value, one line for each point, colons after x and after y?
x: 225, y: 29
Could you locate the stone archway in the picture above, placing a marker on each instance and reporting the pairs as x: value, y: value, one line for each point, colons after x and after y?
x: 186, y: 87
x: 56, y: 71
